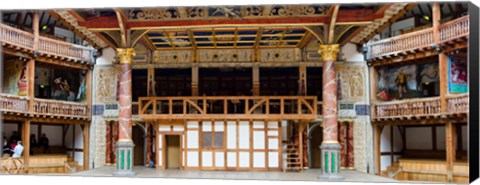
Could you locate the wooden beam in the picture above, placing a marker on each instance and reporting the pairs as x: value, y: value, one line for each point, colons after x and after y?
x: 123, y: 27
x: 450, y: 149
x: 88, y: 93
x: 31, y: 83
x: 331, y: 25
x: 378, y: 132
x: 70, y: 27
x: 443, y: 65
x: 360, y: 16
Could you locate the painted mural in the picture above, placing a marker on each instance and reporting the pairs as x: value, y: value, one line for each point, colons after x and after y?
x: 14, y: 78
x: 457, y: 78
x: 107, y: 85
x: 410, y: 81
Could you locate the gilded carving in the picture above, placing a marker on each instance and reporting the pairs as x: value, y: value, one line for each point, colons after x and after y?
x: 183, y: 56
x: 106, y: 79
x: 329, y: 52
x: 125, y: 55
x: 298, y: 11
x: 350, y: 82
x: 225, y: 55
x: 280, y: 55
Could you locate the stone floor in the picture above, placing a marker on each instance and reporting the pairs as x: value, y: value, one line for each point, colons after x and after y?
x: 307, y: 175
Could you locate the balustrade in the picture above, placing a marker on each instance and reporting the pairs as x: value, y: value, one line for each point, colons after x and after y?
x: 457, y: 104
x: 12, y: 103
x: 406, y: 108
x: 23, y: 39
x: 235, y: 107
x: 448, y: 31
x: 44, y: 107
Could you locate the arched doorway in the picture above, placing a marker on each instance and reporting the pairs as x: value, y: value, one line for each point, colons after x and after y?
x: 315, y: 138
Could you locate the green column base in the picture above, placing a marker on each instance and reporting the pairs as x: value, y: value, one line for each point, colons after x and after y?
x: 330, y: 162
x: 124, y: 159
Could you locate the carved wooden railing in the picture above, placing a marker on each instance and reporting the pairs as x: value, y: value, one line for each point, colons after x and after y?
x: 408, y: 108
x: 419, y: 39
x: 401, y: 43
x: 457, y: 104
x: 228, y: 107
x: 54, y: 108
x: 454, y: 29
x: 48, y: 46
x: 16, y: 37
x: 64, y: 49
x: 13, y: 104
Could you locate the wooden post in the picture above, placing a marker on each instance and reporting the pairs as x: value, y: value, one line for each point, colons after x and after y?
x: 300, y: 142
x: 436, y: 16
x: 88, y: 93
x: 195, y: 80
x: 302, y: 80
x: 256, y: 80
x: 36, y: 31
x: 151, y: 81
x: 85, y: 146
x: 450, y: 148
x: 442, y: 58
x: 31, y: 84
x: 26, y: 145
x: 373, y: 90
x: 378, y: 133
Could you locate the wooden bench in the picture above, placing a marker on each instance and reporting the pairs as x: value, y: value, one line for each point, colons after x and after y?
x: 431, y: 170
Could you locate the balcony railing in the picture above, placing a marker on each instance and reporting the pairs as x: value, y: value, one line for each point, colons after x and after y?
x: 422, y: 39
x: 423, y: 107
x: 13, y: 104
x: 46, y: 46
x: 54, y: 108
x: 231, y: 107
x: 16, y: 37
x: 458, y: 104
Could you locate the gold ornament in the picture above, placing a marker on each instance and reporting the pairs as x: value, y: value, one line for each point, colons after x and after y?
x: 329, y: 52
x: 125, y: 55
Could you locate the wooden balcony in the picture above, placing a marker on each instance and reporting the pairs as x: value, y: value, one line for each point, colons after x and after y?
x: 450, y: 33
x: 42, y: 108
x: 25, y: 41
x: 228, y: 107
x: 421, y: 108
x: 15, y: 105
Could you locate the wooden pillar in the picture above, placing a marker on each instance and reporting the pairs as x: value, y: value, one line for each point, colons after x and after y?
x: 302, y: 80
x: 36, y: 30
x: 256, y: 80
x: 31, y: 83
x: 442, y: 58
x: 86, y: 139
x: 108, y: 148
x: 26, y: 145
x: 151, y: 81
x: 300, y: 142
x: 373, y: 89
x: 88, y: 89
x: 436, y: 16
x: 450, y: 148
x: 195, y: 80
x: 378, y: 134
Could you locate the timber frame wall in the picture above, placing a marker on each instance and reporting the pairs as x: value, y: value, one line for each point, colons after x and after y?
x: 447, y: 109
x: 27, y: 109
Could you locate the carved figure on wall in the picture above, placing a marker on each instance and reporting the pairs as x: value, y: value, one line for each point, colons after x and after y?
x: 107, y: 84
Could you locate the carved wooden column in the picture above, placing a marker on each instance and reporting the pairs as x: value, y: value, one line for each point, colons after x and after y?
x: 26, y: 145
x: 442, y: 58
x: 330, y: 146
x: 256, y: 80
x: 450, y: 148
x: 125, y: 144
x: 149, y: 143
x: 195, y: 80
x: 302, y: 80
x: 86, y: 148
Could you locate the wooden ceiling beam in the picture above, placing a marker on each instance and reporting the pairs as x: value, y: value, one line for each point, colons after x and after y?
x: 70, y: 27
x: 331, y: 25
x: 121, y: 19
x: 361, y: 16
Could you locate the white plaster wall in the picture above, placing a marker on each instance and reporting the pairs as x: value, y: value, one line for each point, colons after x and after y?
x: 107, y: 57
x: 349, y: 51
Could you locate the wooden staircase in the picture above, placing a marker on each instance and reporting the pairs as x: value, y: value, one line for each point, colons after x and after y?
x: 72, y: 166
x: 392, y: 171
x: 292, y: 158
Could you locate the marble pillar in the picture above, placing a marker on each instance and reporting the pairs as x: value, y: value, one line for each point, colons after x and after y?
x: 125, y: 144
x: 108, y: 148
x: 330, y: 148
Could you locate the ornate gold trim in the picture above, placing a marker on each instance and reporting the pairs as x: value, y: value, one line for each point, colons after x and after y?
x: 329, y: 52
x: 330, y: 142
x: 125, y: 55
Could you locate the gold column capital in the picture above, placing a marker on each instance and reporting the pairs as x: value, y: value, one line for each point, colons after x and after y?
x: 329, y: 52
x: 125, y: 55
